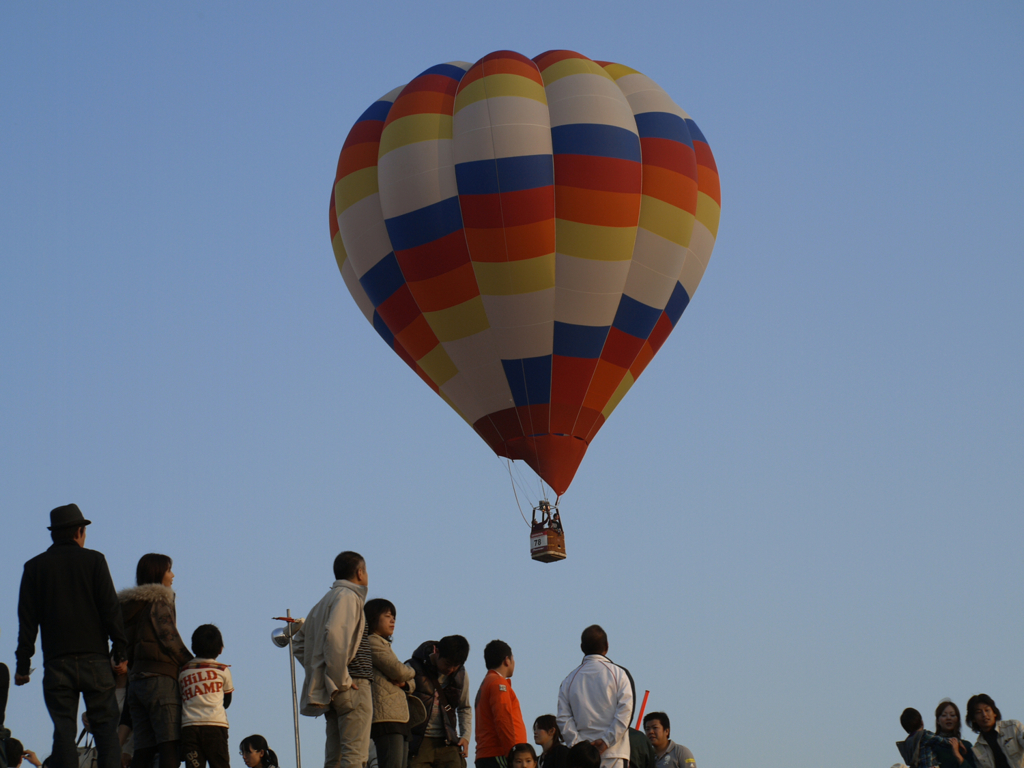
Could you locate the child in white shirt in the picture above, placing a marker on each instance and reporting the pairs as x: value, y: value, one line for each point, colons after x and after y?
x: 206, y: 690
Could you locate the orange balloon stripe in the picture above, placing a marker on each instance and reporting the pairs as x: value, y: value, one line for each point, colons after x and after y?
x: 587, y: 206
x: 610, y: 174
x: 709, y: 183
x: 422, y: 102
x: 447, y: 290
x: 621, y: 349
x: 417, y: 337
x: 507, y: 424
x: 502, y: 63
x: 434, y: 258
x: 704, y: 156
x: 535, y: 418
x: 668, y: 154
x: 672, y: 187
x: 641, y: 361
x: 508, y: 209
x: 569, y: 379
x: 602, y: 386
x: 588, y: 421
x: 660, y: 333
x: 548, y: 58
x: 563, y: 416
x: 527, y: 241
x: 363, y: 131
x: 333, y: 214
x: 512, y: 65
x: 356, y: 157
x: 398, y: 310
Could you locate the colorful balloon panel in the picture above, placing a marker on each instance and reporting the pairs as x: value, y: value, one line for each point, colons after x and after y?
x: 525, y: 234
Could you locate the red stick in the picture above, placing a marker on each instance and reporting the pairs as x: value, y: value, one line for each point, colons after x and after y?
x: 640, y: 717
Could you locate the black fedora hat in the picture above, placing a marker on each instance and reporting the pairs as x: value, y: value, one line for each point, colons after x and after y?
x: 68, y: 516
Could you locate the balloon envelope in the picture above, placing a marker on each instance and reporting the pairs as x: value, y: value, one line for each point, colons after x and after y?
x: 525, y: 234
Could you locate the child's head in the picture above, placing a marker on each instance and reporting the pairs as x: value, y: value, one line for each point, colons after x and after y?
x: 911, y: 720
x: 583, y: 754
x: 256, y: 752
x: 14, y: 750
x: 522, y: 756
x: 380, y: 616
x: 207, y: 642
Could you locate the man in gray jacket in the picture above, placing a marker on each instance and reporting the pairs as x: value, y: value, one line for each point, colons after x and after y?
x: 326, y: 646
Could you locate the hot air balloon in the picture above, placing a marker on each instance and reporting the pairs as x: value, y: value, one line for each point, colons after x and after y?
x: 525, y: 234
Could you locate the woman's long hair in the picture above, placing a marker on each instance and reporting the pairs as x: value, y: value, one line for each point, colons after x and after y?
x: 547, y: 723
x: 939, y: 710
x: 151, y: 569
x: 257, y: 743
x: 374, y: 609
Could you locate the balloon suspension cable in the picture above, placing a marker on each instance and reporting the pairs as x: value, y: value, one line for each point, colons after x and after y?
x: 510, y: 477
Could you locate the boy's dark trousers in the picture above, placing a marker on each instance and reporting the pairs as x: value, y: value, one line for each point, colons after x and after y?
x: 204, y: 744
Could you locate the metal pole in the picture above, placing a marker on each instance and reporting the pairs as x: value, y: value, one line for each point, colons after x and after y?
x: 295, y: 696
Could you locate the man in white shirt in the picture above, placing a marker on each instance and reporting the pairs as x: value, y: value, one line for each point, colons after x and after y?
x: 595, y: 702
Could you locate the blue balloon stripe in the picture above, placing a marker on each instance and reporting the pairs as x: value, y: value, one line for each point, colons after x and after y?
x: 376, y: 111
x: 663, y: 125
x: 380, y: 327
x: 695, y: 133
x: 448, y: 70
x: 583, y: 341
x: 529, y: 379
x: 425, y: 225
x: 676, y: 304
x: 595, y: 140
x: 506, y: 174
x: 382, y: 279
x: 635, y: 318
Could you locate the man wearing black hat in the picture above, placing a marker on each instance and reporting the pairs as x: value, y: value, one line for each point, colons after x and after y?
x: 67, y: 593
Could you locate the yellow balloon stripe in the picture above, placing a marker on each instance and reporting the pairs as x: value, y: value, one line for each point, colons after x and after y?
x: 354, y: 187
x: 426, y: 126
x: 458, y: 322
x: 510, y: 278
x: 574, y: 66
x: 666, y: 220
x: 708, y: 213
x: 590, y: 241
x: 493, y: 86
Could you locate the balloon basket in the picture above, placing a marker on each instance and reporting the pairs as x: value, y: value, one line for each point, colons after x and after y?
x: 547, y: 538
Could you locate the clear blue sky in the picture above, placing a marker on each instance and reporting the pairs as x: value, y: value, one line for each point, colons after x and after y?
x: 801, y: 520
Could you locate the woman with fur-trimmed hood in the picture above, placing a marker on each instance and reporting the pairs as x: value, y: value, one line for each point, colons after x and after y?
x: 155, y: 654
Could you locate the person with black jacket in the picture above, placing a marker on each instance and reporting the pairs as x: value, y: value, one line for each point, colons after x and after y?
x: 441, y: 684
x: 67, y: 595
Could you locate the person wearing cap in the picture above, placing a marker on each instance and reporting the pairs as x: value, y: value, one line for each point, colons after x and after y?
x: 67, y: 595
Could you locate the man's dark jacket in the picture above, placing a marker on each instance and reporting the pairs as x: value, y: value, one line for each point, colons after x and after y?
x: 450, y: 694
x: 67, y: 592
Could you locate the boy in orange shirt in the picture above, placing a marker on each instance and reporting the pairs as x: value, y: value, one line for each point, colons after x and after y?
x: 499, y: 721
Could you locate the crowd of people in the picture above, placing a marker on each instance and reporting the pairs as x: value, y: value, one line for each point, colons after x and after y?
x: 152, y: 702
x: 1001, y: 742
